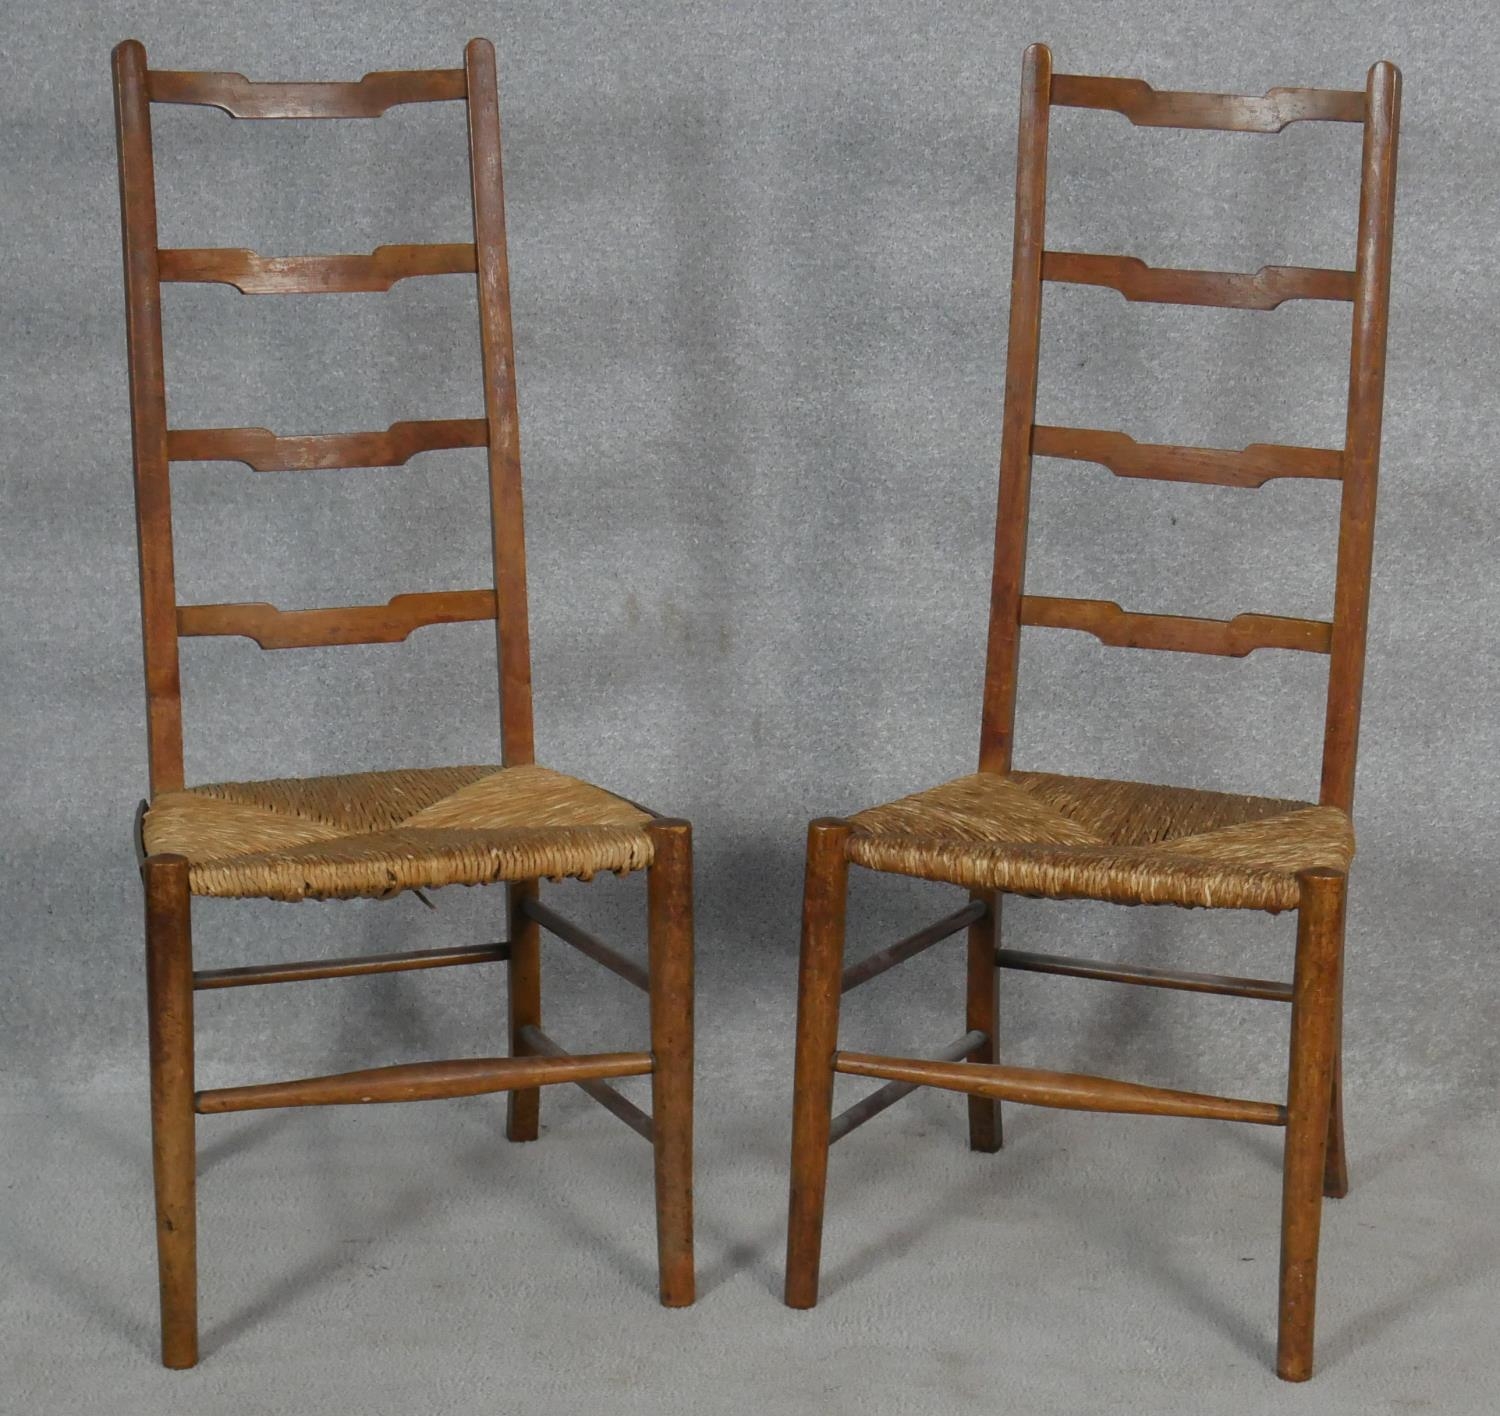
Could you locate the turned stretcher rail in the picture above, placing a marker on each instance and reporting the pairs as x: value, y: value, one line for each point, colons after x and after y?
x: 912, y: 945
x: 1265, y: 988
x: 1070, y: 1091
x: 853, y: 1117
x: 306, y: 969
x: 586, y: 943
x: 424, y: 1081
x: 639, y: 1121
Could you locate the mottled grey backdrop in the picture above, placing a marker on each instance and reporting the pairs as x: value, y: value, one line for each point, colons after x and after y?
x: 760, y: 256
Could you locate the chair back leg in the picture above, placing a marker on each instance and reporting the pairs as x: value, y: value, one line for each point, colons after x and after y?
x: 669, y: 903
x: 983, y: 1015
x: 169, y: 1002
x: 523, y: 1108
x: 819, y: 983
x: 1314, y: 1045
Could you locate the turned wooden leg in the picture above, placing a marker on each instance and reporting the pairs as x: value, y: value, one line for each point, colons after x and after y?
x: 1315, y: 1001
x: 983, y: 1013
x: 818, y: 988
x: 169, y: 1003
x: 669, y: 888
x: 1336, y: 1165
x: 523, y: 1108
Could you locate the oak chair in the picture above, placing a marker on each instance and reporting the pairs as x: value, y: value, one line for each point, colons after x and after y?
x: 374, y: 834
x: 1029, y: 833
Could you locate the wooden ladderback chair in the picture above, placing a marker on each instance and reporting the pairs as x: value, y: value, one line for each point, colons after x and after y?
x: 1030, y: 833
x: 377, y: 833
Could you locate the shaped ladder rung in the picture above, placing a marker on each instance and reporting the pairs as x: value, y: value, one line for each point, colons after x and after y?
x: 1264, y: 289
x: 254, y: 274
x: 1236, y: 113
x: 1125, y: 629
x: 1252, y: 466
x: 1069, y: 1091
x: 351, y: 624
x: 264, y: 451
x: 368, y: 97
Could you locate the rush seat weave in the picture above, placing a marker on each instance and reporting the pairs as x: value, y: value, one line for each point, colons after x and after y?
x: 378, y: 833
x: 1033, y: 833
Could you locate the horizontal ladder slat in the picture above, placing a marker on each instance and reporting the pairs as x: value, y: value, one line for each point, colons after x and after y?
x: 1253, y: 466
x: 586, y: 943
x: 853, y: 1117
x: 535, y: 1040
x: 424, y: 1081
x: 1148, y: 107
x: 1123, y: 629
x: 350, y: 624
x: 254, y: 274
x: 263, y: 450
x: 1069, y: 1091
x: 306, y: 969
x: 1264, y: 988
x: 1264, y: 289
x: 368, y: 97
x: 912, y: 945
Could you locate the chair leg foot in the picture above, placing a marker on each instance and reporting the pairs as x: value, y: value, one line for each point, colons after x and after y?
x: 169, y: 994
x: 524, y: 982
x: 669, y: 886
x: 986, y: 1133
x: 818, y: 988
x: 1315, y: 1001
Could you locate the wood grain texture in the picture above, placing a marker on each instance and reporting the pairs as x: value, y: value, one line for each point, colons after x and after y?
x: 498, y: 359
x: 869, y: 1107
x: 1351, y: 596
x: 304, y: 970
x: 523, y: 1003
x: 1070, y: 1091
x: 1234, y: 638
x: 587, y: 944
x: 998, y: 721
x: 174, y: 1162
x: 368, y: 97
x: 264, y: 451
x: 424, y: 1081
x: 873, y: 965
x: 1110, y: 971
x: 1264, y: 289
x: 148, y: 418
x: 254, y: 274
x: 982, y: 1016
x: 824, y: 902
x: 1252, y: 466
x: 1163, y: 108
x: 1315, y: 1022
x: 669, y: 934
x: 538, y: 1044
x: 349, y: 624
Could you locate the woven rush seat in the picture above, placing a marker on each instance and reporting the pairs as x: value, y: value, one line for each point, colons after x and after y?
x: 1033, y: 833
x: 378, y: 833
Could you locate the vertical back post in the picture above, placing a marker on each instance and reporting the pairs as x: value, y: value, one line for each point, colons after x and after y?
x: 148, y: 417
x: 998, y: 724
x: 1351, y: 597
x: 507, y: 523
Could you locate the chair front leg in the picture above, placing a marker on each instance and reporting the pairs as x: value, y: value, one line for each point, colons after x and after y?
x: 669, y: 888
x: 169, y: 1004
x: 983, y: 1014
x: 523, y: 972
x: 1336, y: 1166
x: 818, y: 988
x: 1315, y: 1008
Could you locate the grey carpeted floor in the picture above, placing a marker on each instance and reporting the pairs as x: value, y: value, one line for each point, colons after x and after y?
x: 408, y: 1254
